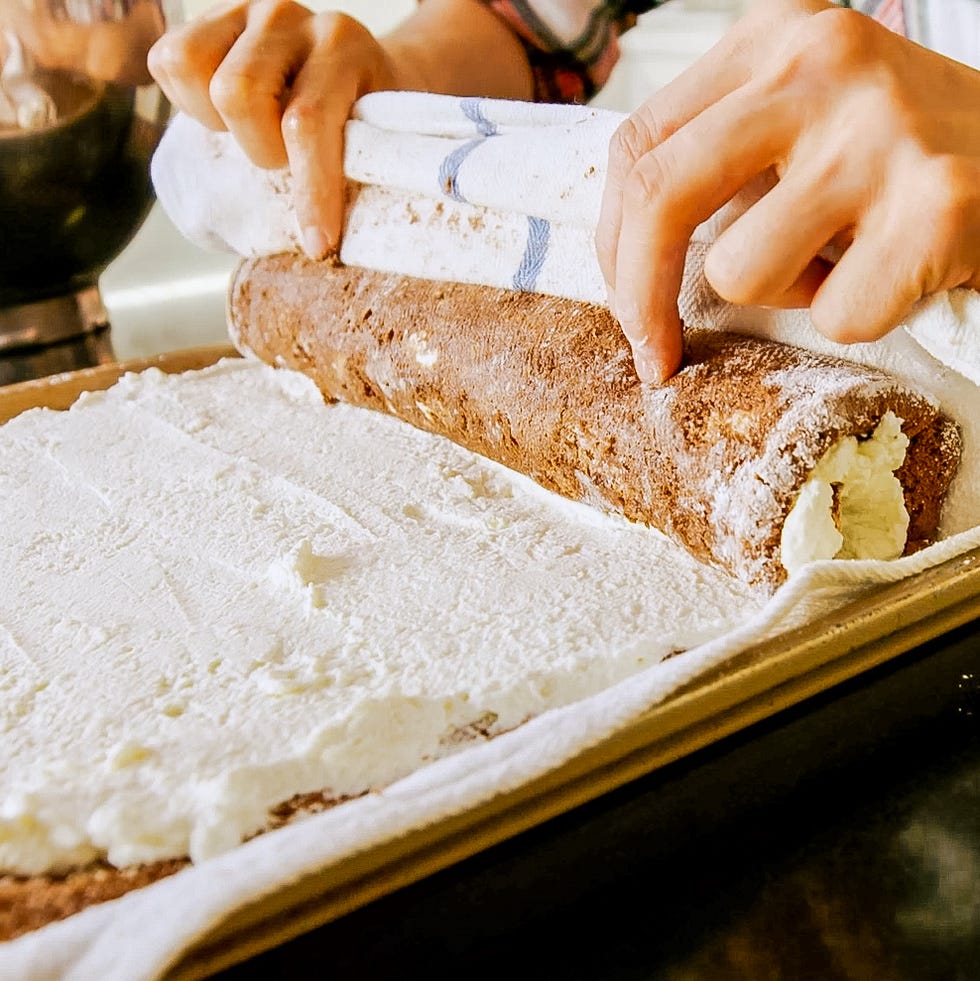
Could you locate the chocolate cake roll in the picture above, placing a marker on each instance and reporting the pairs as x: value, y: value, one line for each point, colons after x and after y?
x: 756, y: 457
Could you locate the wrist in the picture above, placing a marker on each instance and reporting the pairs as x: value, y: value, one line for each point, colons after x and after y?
x: 406, y: 67
x: 458, y: 47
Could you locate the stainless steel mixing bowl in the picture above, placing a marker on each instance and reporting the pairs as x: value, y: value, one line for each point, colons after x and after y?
x: 80, y: 118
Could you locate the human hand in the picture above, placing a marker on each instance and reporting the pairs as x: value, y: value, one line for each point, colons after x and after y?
x: 876, y: 145
x: 282, y: 79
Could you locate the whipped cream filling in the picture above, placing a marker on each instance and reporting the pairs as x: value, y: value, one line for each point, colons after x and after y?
x: 852, y: 506
x: 219, y: 592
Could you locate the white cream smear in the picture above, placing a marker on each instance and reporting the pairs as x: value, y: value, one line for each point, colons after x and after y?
x: 218, y: 592
x: 871, y: 520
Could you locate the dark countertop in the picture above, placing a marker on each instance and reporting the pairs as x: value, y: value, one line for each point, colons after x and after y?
x: 837, y: 840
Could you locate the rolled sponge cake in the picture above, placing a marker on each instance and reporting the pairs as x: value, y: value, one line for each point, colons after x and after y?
x: 715, y: 458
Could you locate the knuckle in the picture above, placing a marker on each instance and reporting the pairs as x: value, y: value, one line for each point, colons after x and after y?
x: 640, y: 192
x: 264, y: 12
x: 336, y: 28
x: 648, y: 182
x: 883, y: 96
x: 302, y: 120
x: 171, y: 53
x: 159, y: 59
x: 727, y: 277
x: 830, y: 41
x: 230, y: 92
x: 837, y: 33
x: 633, y: 138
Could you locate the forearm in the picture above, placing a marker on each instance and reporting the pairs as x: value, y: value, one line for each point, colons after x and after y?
x: 459, y: 47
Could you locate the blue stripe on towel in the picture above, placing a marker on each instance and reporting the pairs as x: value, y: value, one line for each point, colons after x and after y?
x: 535, y: 252
x: 473, y: 110
x: 449, y: 169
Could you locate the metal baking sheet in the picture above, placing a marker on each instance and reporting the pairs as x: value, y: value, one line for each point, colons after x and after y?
x: 757, y: 683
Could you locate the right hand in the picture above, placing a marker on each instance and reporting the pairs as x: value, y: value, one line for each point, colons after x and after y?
x: 282, y: 79
x: 876, y: 145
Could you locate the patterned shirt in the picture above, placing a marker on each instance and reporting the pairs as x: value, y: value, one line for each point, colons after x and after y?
x: 573, y: 45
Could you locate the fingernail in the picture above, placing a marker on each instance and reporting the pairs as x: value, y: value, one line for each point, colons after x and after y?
x: 611, y: 299
x: 648, y: 369
x: 315, y: 243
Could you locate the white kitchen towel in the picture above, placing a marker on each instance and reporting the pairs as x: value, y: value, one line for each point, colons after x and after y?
x: 484, y: 191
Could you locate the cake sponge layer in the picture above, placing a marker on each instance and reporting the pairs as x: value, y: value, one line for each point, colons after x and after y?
x: 715, y: 458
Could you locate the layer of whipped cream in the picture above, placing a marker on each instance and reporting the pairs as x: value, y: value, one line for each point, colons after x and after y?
x: 852, y: 506
x: 220, y: 592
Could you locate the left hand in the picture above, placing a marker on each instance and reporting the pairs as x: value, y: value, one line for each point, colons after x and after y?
x: 876, y: 144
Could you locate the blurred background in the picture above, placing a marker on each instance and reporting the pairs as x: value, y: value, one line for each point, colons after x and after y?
x: 163, y: 293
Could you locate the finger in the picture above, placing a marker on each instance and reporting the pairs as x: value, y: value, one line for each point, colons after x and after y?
x: 765, y: 252
x: 870, y: 290
x: 921, y: 236
x: 313, y: 131
x: 184, y: 60
x: 251, y: 86
x: 717, y: 73
x: 668, y: 194
x: 730, y: 63
x: 345, y: 63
